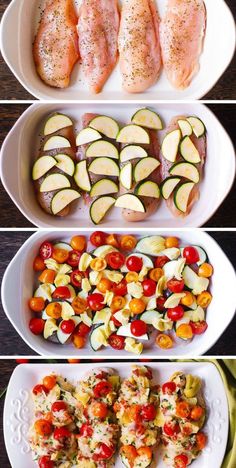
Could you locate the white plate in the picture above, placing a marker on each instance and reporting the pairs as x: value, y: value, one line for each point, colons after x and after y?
x: 22, y: 17
x: 20, y: 278
x: 19, y: 415
x: 21, y: 147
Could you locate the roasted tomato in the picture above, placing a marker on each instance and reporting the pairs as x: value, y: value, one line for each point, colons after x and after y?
x: 171, y: 242
x: 183, y: 409
x: 148, y: 412
x: 115, y: 260
x: 171, y: 428
x: 98, y: 264
x: 204, y: 299
x: 100, y: 410
x: 117, y: 303
x: 98, y: 238
x: 105, y: 452
x: 201, y: 439
x: 196, y: 413
x: 43, y: 427
x: 47, y: 276
x: 49, y: 382
x: 38, y: 389
x: 175, y: 286
x: 83, y: 329
x: 74, y: 258
x: 86, y: 430
x: 79, y: 341
x: 137, y: 306
x: 191, y: 255
x: 160, y: 301
x: 184, y: 331
x: 59, y: 406
x: 46, y: 250
x: 54, y: 310
x: 116, y: 341
x: 198, y: 327
x: 155, y: 274
x: 104, y: 285
x: 181, y: 461
x: 45, y: 462
x: 205, y: 270
x: 61, y: 433
x: 120, y: 289
x: 102, y: 389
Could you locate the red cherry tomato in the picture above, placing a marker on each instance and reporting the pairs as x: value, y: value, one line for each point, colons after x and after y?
x: 45, y: 462
x: 134, y: 263
x: 62, y: 292
x: 59, y: 406
x: 191, y: 255
x: 171, y: 428
x: 102, y: 389
x: 169, y: 387
x: 86, y: 430
x: 175, y: 286
x: 76, y: 278
x: 160, y: 303
x: 116, y: 322
x: 95, y: 301
x: 181, y: 461
x: 39, y: 389
x: 74, y: 258
x: 83, y: 329
x: 46, y: 250
x: 67, y: 326
x: 161, y: 261
x: 61, y: 433
x: 149, y: 287
x: 198, y: 327
x: 98, y: 238
x: 115, y: 260
x: 138, y: 327
x: 120, y: 289
x: 116, y: 341
x: 148, y: 412
x: 105, y: 452
x: 175, y: 313
x: 36, y: 326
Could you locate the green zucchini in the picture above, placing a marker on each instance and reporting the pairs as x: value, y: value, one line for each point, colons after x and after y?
x: 147, y: 118
x: 145, y: 167
x: 168, y: 185
x: 147, y: 189
x: 186, y: 170
x: 181, y: 196
x: 100, y: 207
x: 189, y: 151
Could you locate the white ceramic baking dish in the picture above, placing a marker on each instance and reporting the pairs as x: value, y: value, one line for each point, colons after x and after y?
x: 22, y: 17
x: 19, y: 283
x: 21, y: 148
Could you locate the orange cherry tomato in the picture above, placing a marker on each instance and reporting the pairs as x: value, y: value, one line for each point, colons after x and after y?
x: 38, y: 264
x: 129, y: 452
x: 60, y: 255
x: 205, y: 270
x: 171, y: 242
x: 137, y: 306
x: 112, y: 240
x: 104, y: 285
x: 184, y: 331
x: 54, y: 310
x: 201, y: 440
x: 128, y: 242
x: 145, y: 451
x: 135, y: 413
x: 155, y: 274
x: 49, y: 382
x: 99, y: 410
x: 196, y: 413
x: 78, y: 243
x: 79, y: 305
x: 47, y: 276
x: 188, y: 299
x: 43, y: 427
x: 118, y: 303
x: 98, y: 264
x: 164, y: 341
x: 132, y: 277
x: 204, y: 299
x: 79, y: 341
x: 36, y: 304
x: 183, y: 409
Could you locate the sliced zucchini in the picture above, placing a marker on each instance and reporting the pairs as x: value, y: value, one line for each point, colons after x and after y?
x: 42, y: 166
x: 203, y: 257
x: 65, y: 164
x: 168, y: 186
x: 190, y: 277
x: 133, y: 134
x: 197, y: 125
x: 62, y: 199
x: 144, y: 168
x: 150, y: 316
x: 185, y: 128
x: 56, y: 122
x: 147, y: 118
x: 54, y: 182
x: 182, y: 195
x: 125, y: 330
x: 56, y: 142
x: 95, y: 338
x: 189, y: 151
x: 82, y: 177
x: 147, y: 189
x: 100, y: 207
x: 105, y: 125
x: 151, y: 245
x: 126, y: 176
x: 131, y: 202
x: 104, y: 166
x: 103, y: 187
x: 132, y: 152
x: 87, y: 135
x: 102, y: 148
x: 147, y: 262
x: 63, y: 246
x: 186, y: 170
x: 170, y: 145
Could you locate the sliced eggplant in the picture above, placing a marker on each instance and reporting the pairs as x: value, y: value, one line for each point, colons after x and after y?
x: 65, y: 164
x: 147, y: 118
x: 42, y: 166
x: 100, y: 207
x: 56, y: 122
x: 103, y: 187
x: 102, y: 148
x: 147, y: 189
x: 144, y: 168
x: 186, y: 170
x: 62, y: 199
x: 130, y: 202
x: 132, y: 152
x: 87, y: 135
x: 185, y: 128
x: 126, y: 176
x: 56, y: 142
x: 54, y: 182
x: 82, y: 177
x: 170, y: 145
x: 105, y: 125
x: 189, y: 151
x: 168, y: 186
x: 133, y: 134
x: 104, y: 166
x: 197, y: 125
x: 181, y: 196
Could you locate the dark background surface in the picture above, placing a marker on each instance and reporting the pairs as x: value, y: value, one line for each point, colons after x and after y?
x: 11, y: 216
x: 224, y: 89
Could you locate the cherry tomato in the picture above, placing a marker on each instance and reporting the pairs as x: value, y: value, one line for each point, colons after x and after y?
x: 168, y: 388
x: 138, y: 328
x: 115, y: 260
x: 104, y: 285
x: 148, y: 412
x: 61, y: 433
x: 205, y: 270
x: 98, y: 264
x: 134, y: 413
x: 171, y: 428
x: 112, y: 240
x: 47, y: 276
x: 188, y: 299
x: 116, y: 341
x: 43, y: 427
x: 79, y: 305
x: 74, y: 258
x: 120, y: 289
x: 36, y: 326
x: 67, y: 326
x: 22, y: 361
x: 175, y: 286
x: 95, y: 301
x: 38, y: 264
x: 132, y: 277
x: 59, y: 406
x: 128, y: 242
x: 78, y: 243
x: 86, y: 430
x: 145, y: 452
x: 98, y: 238
x: 45, y: 462
x: 83, y: 329
x: 183, y: 409
x: 196, y: 413
x: 149, y: 287
x: 76, y: 278
x: 45, y: 250
x: 198, y: 327
x: 201, y: 439
x: 100, y: 410
x: 60, y: 255
x: 184, y: 331
x: 117, y: 303
x: 79, y: 341
x: 62, y: 292
x: 49, y: 382
x: 102, y: 389
x: 191, y: 255
x: 137, y: 306
x: 160, y: 303
x: 105, y: 452
x: 161, y: 261
x: 155, y: 274
x: 181, y: 461
x: 134, y: 263
x: 164, y: 341
x: 129, y: 452
x: 175, y: 313
x: 54, y: 310
x: 38, y: 389
x: 171, y: 242
x: 36, y: 304
x: 204, y: 299
x: 115, y: 321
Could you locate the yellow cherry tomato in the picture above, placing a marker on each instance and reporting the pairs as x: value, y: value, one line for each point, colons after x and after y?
x: 112, y: 240
x: 205, y: 270
x: 137, y: 306
x: 184, y: 331
x: 47, y: 276
x: 54, y: 310
x: 164, y: 341
x: 78, y: 243
x: 171, y: 242
x: 98, y: 264
x: 79, y: 305
x: 104, y: 285
x: 60, y: 255
x: 132, y: 277
x: 204, y: 299
x: 188, y: 299
x: 155, y: 274
x: 118, y: 303
x: 128, y: 242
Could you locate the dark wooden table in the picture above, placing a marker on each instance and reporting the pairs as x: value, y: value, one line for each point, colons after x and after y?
x: 11, y: 216
x: 11, y: 89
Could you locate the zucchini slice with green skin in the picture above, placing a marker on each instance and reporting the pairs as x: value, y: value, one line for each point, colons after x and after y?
x: 132, y: 152
x: 42, y: 166
x: 186, y: 170
x: 62, y: 199
x: 189, y: 151
x: 100, y: 207
x: 56, y: 142
x: 65, y: 164
x: 181, y: 196
x: 133, y: 134
x: 168, y: 186
x: 147, y: 118
x: 203, y: 257
x: 170, y: 145
x: 56, y: 122
x: 101, y: 148
x: 104, y: 166
x: 147, y: 189
x: 197, y: 125
x: 130, y: 202
x: 145, y: 167
x: 87, y: 135
x: 126, y: 176
x: 63, y: 245
x: 105, y: 125
x: 103, y: 187
x: 185, y: 127
x: 94, y: 338
x: 54, y: 182
x: 82, y: 177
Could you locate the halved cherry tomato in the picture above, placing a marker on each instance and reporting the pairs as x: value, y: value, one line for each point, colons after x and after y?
x: 115, y: 260
x: 95, y: 301
x: 191, y: 255
x: 79, y: 341
x: 188, y: 299
x: 132, y: 277
x: 36, y: 304
x: 168, y: 388
x: 67, y: 326
x: 38, y: 264
x: 36, y: 326
x: 145, y: 452
x: 98, y: 264
x: 98, y: 238
x: 196, y: 413
x: 54, y: 310
x: 43, y: 427
x: 49, y: 382
x: 184, y: 331
x: 117, y: 303
x: 59, y: 406
x: 129, y: 452
x: 102, y: 389
x: 105, y: 453
x: 134, y: 413
x: 73, y: 258
x: 104, y: 285
x: 100, y: 410
x: 76, y: 278
x: 161, y: 261
x: 60, y: 255
x: 183, y: 409
x: 181, y: 461
x: 128, y: 242
x: 38, y: 389
x: 171, y: 428
x: 138, y: 327
x: 83, y: 329
x: 205, y: 270
x: 175, y: 286
x: 175, y: 313
x: 47, y: 276
x: 86, y: 430
x: 201, y: 439
x: 171, y: 242
x: 112, y: 240
x: 148, y: 412
x: 45, y: 462
x: 61, y: 433
x: 78, y: 243
x: 46, y: 250
x: 134, y: 263
x: 115, y: 321
x: 61, y: 292
x: 79, y: 305
x: 137, y: 306
x: 120, y: 289
x: 116, y: 341
x: 198, y: 327
x: 204, y: 299
x: 164, y: 341
x: 149, y: 287
x: 160, y: 303
x: 155, y: 274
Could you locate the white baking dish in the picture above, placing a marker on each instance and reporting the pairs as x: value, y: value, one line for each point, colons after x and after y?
x: 19, y: 283
x: 21, y: 147
x: 22, y: 17
x: 19, y: 411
